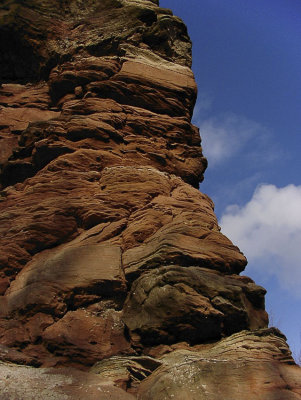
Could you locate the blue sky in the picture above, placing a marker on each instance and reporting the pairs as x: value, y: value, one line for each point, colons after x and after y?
x: 247, y: 63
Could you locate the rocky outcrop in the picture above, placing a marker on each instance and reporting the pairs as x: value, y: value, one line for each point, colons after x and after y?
x: 113, y: 266
x: 248, y: 366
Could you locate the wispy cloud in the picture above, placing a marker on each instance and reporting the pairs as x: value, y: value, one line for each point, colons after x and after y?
x: 268, y: 230
x: 227, y: 135
x: 203, y: 106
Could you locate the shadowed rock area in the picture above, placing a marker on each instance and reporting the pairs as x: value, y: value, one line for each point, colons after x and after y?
x: 115, y: 280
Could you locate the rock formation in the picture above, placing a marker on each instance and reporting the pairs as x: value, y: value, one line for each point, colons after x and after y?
x: 115, y: 280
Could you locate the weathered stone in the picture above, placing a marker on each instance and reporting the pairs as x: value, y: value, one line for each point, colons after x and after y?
x: 167, y: 246
x: 109, y: 195
x: 86, y: 337
x: 109, y: 253
x: 92, y: 268
x: 173, y: 304
x: 248, y: 365
x: 126, y: 372
x: 60, y: 29
x: 18, y: 119
x: 14, y: 356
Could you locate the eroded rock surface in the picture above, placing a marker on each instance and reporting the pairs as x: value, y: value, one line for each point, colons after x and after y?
x: 111, y: 259
x: 174, y: 304
x: 248, y: 365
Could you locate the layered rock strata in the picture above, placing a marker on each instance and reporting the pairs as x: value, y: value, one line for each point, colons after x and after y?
x: 113, y: 266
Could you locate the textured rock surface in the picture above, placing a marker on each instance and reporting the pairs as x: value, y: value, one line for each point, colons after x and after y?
x: 173, y: 304
x: 111, y: 260
x: 248, y: 365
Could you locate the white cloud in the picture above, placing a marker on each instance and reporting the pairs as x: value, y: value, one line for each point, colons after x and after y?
x: 227, y: 135
x: 268, y: 230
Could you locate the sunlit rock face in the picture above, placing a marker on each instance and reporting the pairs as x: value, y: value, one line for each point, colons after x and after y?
x: 113, y: 266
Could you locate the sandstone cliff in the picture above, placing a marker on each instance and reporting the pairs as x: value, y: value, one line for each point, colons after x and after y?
x: 115, y: 280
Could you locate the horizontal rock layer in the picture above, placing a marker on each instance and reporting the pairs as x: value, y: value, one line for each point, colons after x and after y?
x: 248, y: 365
x: 112, y: 263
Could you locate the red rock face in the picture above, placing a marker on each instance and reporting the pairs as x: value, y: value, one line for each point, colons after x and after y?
x: 110, y: 256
